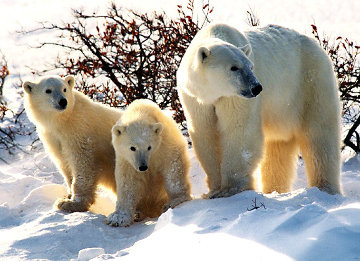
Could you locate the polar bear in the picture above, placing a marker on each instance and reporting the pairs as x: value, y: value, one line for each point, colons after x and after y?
x: 152, y: 165
x: 256, y: 98
x: 77, y: 133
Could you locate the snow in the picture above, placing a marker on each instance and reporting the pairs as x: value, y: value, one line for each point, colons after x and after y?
x: 304, y: 224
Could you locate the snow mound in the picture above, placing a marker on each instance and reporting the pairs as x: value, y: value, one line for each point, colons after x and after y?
x: 301, y: 225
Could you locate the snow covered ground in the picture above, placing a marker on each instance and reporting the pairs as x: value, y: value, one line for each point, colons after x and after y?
x: 305, y: 224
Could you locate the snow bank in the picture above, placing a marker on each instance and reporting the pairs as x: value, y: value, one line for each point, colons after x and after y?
x: 302, y: 225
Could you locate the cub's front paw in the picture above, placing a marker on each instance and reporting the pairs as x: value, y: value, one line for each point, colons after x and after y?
x: 119, y: 219
x: 69, y: 205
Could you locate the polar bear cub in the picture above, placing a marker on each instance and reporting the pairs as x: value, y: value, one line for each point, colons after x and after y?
x: 152, y: 165
x: 259, y: 97
x: 77, y: 133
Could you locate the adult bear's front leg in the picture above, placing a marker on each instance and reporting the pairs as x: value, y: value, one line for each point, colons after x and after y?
x: 202, y: 126
x: 239, y: 124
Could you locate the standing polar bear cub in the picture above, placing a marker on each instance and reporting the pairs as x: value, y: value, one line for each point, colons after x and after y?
x: 152, y: 164
x: 257, y: 97
x: 77, y: 133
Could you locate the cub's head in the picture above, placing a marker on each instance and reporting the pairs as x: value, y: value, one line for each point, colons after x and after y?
x: 223, y: 70
x: 49, y: 93
x: 136, y: 142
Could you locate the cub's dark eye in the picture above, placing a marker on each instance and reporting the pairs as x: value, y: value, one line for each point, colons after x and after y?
x: 48, y: 91
x: 234, y: 68
x: 133, y: 148
x: 149, y: 148
x: 65, y: 90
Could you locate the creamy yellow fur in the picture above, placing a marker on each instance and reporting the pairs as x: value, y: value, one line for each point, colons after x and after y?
x: 297, y: 109
x: 158, y: 144
x: 78, y: 138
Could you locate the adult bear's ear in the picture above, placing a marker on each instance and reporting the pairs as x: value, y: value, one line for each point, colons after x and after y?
x: 157, y: 128
x: 246, y: 49
x: 118, y: 130
x: 70, y: 80
x: 28, y: 86
x: 203, y: 53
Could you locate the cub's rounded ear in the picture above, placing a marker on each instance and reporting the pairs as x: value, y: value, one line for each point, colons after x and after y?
x: 28, y: 86
x: 203, y: 53
x: 157, y: 128
x: 246, y: 49
x: 118, y: 130
x: 70, y: 80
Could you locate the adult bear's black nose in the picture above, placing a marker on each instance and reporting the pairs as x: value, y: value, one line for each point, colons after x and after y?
x: 256, y: 90
x: 143, y: 168
x: 63, y: 103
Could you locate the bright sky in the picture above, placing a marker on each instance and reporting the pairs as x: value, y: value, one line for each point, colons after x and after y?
x: 334, y: 17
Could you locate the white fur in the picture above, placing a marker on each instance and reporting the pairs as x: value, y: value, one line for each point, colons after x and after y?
x: 145, y: 136
x: 233, y: 132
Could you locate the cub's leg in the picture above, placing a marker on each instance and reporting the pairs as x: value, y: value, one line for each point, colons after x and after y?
x: 278, y: 167
x: 129, y: 194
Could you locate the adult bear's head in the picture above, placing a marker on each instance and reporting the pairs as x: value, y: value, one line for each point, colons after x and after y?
x: 223, y: 70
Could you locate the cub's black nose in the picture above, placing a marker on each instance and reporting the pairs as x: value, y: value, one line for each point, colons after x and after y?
x: 63, y: 103
x: 256, y: 90
x: 143, y: 168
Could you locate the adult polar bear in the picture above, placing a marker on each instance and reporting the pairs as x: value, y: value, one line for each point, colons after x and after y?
x: 232, y: 131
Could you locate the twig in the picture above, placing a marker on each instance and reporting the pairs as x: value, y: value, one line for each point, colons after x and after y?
x: 254, y: 206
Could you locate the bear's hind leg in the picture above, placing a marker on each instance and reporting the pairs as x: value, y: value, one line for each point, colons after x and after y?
x: 321, y: 152
x: 278, y: 166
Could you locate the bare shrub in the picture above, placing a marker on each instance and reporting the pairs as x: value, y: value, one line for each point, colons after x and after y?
x: 13, y: 125
x: 252, y: 18
x: 4, y: 72
x: 137, y: 53
x: 345, y: 55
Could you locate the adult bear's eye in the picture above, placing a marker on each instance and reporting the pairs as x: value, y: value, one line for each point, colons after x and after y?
x: 149, y: 148
x: 65, y: 90
x: 234, y: 68
x: 48, y: 91
x: 133, y: 148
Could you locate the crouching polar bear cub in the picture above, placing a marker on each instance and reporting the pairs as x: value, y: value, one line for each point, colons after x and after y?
x: 152, y: 164
x: 256, y: 97
x: 77, y: 133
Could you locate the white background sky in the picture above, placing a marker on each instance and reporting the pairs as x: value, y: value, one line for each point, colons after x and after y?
x: 334, y: 17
